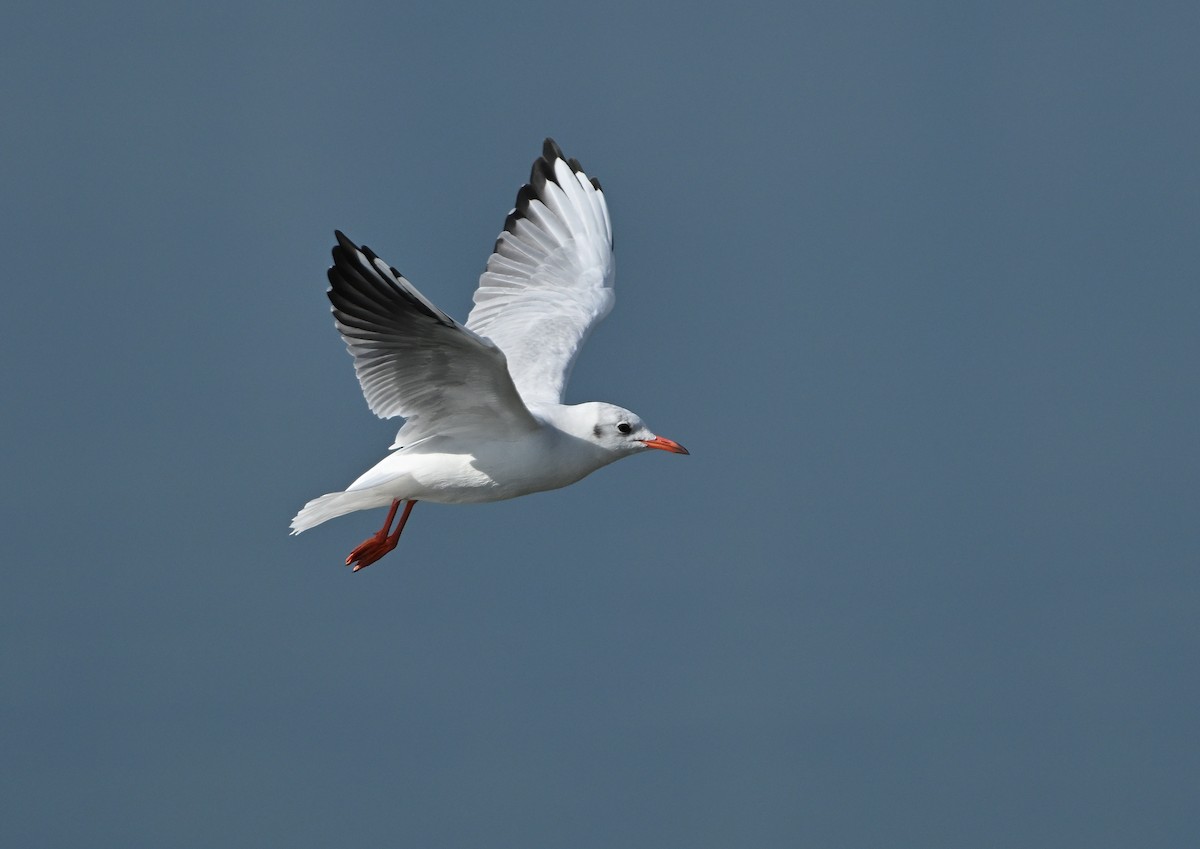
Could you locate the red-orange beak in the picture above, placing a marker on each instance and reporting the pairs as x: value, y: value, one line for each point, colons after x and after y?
x: 665, y: 444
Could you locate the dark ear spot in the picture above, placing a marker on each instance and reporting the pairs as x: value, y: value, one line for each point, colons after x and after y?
x: 596, y: 431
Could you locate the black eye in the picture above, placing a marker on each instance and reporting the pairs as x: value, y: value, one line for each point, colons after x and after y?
x: 624, y: 427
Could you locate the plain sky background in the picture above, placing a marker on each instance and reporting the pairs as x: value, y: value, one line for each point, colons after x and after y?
x: 916, y: 284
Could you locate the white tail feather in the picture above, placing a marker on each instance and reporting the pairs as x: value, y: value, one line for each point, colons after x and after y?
x: 336, y: 504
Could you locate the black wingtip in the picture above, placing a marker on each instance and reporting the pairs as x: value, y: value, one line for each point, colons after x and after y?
x: 540, y: 173
x: 359, y: 287
x: 545, y: 165
x: 348, y: 245
x: 344, y: 245
x: 525, y: 195
x: 551, y: 151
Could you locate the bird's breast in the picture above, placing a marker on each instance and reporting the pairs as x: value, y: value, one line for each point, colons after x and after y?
x: 543, y: 461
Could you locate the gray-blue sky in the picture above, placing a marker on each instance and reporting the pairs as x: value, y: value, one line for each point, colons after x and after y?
x: 915, y: 283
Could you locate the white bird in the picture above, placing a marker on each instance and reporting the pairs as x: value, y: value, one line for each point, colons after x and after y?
x: 482, y: 402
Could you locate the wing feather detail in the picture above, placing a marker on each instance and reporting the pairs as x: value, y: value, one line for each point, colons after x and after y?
x: 413, y: 360
x: 549, y: 278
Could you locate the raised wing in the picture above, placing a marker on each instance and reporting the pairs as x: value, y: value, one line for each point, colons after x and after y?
x: 415, y: 361
x: 549, y: 279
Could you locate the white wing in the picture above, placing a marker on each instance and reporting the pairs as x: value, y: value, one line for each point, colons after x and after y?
x: 549, y: 279
x: 415, y: 361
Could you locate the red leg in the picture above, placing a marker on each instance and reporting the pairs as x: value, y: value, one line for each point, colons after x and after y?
x: 381, y: 542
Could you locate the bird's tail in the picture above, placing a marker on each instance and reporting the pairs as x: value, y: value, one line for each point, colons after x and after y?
x: 336, y: 504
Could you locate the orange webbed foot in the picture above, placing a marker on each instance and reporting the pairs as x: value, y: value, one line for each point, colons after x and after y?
x: 379, y: 544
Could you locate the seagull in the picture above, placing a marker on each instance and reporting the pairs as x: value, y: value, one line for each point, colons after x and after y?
x: 482, y: 402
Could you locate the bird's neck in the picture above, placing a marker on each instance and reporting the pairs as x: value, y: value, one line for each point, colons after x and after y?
x: 571, y: 425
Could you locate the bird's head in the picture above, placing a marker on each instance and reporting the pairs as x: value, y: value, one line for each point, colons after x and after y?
x: 618, y: 430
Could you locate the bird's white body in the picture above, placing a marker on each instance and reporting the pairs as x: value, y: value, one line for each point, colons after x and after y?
x: 450, y: 470
x: 447, y: 471
x: 483, y: 401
